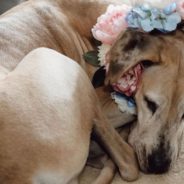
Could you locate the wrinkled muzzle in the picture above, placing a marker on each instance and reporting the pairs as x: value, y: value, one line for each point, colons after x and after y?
x: 156, y: 153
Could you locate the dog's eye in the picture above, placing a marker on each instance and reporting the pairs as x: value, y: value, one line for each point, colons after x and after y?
x: 152, y: 106
x: 147, y: 63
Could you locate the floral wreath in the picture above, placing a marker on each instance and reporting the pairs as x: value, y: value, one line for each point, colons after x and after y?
x: 118, y: 18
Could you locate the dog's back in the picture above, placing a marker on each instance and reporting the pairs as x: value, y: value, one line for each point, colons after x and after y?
x: 52, y: 145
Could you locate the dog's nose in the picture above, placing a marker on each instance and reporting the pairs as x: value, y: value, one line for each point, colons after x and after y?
x: 158, y: 163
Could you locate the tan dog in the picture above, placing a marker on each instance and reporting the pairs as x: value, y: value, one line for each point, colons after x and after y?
x: 50, y: 24
x: 44, y: 132
x: 156, y: 135
x: 46, y: 121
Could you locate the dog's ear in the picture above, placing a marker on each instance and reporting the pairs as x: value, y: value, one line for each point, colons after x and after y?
x: 99, y: 77
x: 131, y: 48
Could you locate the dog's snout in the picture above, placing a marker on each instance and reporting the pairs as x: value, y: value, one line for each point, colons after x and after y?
x: 159, y: 160
x: 157, y: 164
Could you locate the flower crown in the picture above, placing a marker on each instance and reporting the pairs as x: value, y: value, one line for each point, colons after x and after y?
x: 143, y: 17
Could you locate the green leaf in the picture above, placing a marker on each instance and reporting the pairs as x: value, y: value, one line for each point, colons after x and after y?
x: 91, y: 57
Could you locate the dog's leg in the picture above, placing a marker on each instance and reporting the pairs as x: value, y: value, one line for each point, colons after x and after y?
x: 120, y: 152
x: 107, y: 173
x: 109, y: 169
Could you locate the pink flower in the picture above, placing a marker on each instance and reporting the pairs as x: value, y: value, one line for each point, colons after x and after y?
x: 180, y: 7
x: 110, y: 24
x: 128, y: 83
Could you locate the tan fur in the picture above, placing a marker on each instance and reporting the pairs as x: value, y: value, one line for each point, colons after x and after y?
x: 47, y: 24
x: 45, y: 143
x: 44, y: 23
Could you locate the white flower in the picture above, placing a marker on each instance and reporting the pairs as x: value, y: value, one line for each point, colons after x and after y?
x: 102, y: 51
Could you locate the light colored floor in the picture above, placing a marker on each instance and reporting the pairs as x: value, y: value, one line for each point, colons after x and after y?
x: 176, y: 176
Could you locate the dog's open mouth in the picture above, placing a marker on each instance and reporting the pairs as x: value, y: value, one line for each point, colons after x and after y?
x: 128, y: 83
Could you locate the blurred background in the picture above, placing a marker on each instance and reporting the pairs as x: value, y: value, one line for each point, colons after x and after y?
x: 7, y: 4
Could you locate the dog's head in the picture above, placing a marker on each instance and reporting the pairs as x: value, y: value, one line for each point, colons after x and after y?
x: 157, y: 134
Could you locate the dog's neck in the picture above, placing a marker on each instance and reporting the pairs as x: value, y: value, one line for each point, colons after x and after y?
x: 82, y: 19
x: 85, y: 16
x: 46, y: 23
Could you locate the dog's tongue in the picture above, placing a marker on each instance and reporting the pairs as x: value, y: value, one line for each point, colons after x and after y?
x: 128, y: 83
